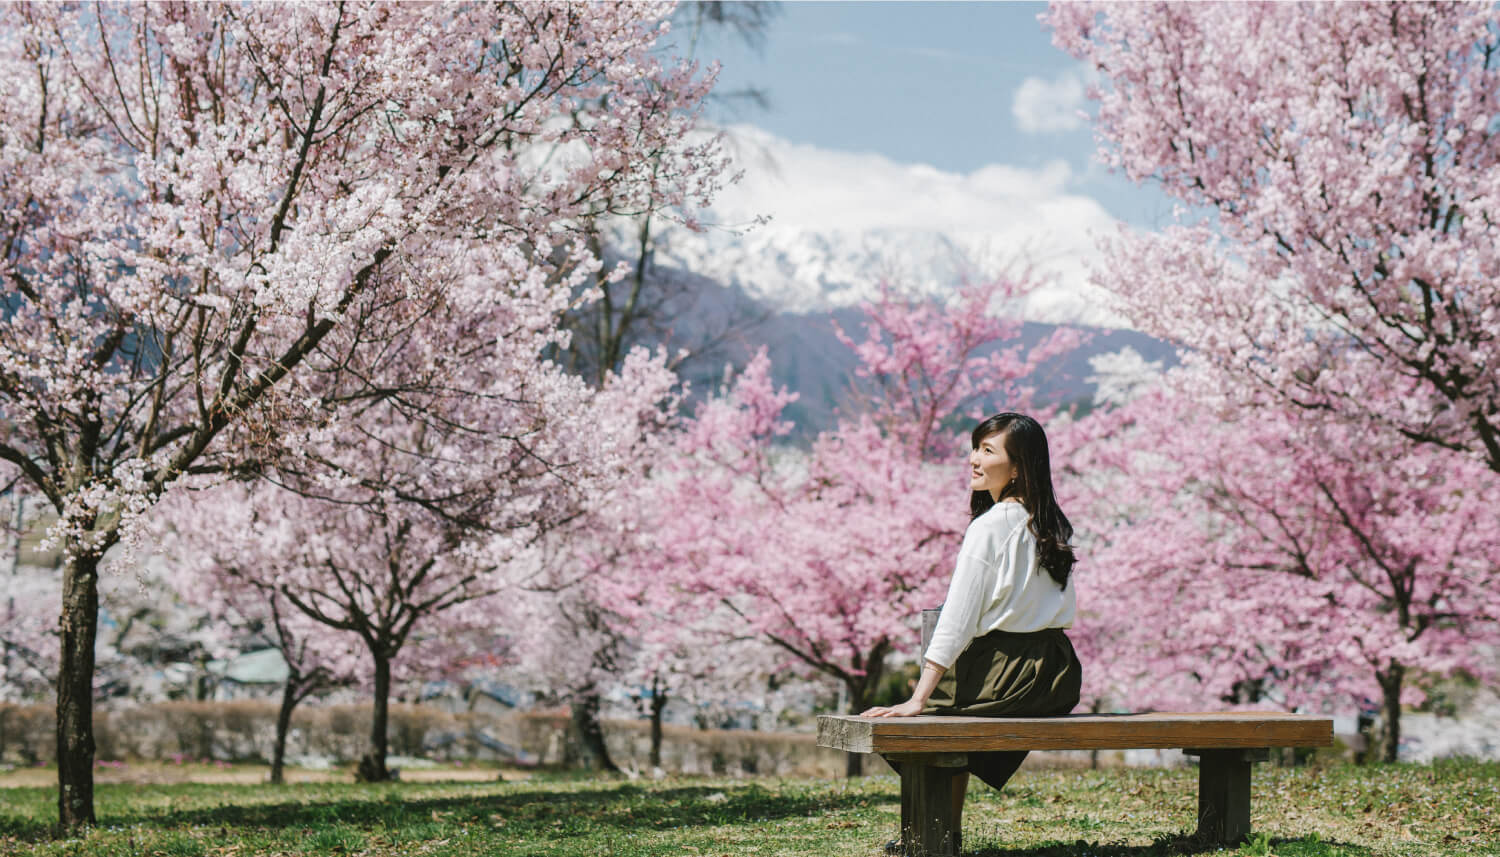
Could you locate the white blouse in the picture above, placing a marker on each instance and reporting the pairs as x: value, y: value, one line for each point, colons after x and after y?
x: 998, y: 586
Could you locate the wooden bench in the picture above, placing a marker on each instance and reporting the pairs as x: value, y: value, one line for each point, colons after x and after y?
x: 932, y: 749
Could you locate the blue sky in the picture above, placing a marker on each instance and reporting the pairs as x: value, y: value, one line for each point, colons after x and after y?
x: 927, y: 83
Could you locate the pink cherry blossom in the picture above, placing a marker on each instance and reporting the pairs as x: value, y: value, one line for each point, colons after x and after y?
x: 205, y: 205
x: 1340, y: 164
x: 1272, y: 556
x: 1302, y: 512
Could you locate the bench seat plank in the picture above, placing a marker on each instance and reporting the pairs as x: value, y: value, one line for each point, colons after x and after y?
x: 1209, y: 731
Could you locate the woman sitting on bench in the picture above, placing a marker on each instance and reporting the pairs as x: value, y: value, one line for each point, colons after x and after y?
x: 999, y: 649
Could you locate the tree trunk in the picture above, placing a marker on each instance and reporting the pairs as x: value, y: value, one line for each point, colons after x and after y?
x: 658, y: 702
x: 591, y: 734
x: 861, y: 689
x: 1390, y: 710
x: 79, y: 625
x: 289, y: 698
x: 372, y: 767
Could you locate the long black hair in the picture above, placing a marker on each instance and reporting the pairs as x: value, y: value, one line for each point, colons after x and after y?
x: 1026, y: 446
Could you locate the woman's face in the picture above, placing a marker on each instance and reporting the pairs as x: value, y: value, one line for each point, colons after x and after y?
x: 990, y: 467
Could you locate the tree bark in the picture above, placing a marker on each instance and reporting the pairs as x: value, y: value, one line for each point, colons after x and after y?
x: 1390, y: 710
x: 290, y: 695
x: 658, y: 702
x: 591, y: 733
x: 372, y: 767
x: 79, y: 626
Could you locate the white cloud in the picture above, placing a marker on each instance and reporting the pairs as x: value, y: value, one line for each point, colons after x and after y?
x: 839, y: 222
x: 1121, y: 375
x: 1043, y: 106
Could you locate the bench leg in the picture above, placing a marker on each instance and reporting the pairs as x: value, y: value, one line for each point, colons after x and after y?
x: 1224, y: 794
x: 927, y: 803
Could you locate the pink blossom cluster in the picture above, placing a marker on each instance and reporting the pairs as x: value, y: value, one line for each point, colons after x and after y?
x: 1229, y: 548
x: 1342, y: 158
x: 199, y: 197
x: 388, y: 537
x: 1302, y: 513
x: 316, y: 244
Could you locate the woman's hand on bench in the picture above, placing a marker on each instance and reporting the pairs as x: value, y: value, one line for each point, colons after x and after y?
x: 926, y: 684
x: 909, y: 708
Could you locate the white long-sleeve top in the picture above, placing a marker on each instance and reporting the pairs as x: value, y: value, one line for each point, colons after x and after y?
x: 998, y: 585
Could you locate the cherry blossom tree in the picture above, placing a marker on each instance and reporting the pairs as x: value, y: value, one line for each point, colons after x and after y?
x: 431, y: 496
x: 26, y: 647
x: 209, y: 540
x: 868, y: 522
x: 571, y: 638
x: 605, y: 617
x: 196, y: 196
x: 334, y: 573
x: 592, y: 595
x: 153, y: 642
x: 1324, y: 464
x: 316, y: 661
x: 1346, y: 160
x: 1269, y: 556
x: 28, y: 641
x: 708, y: 661
x: 405, y: 524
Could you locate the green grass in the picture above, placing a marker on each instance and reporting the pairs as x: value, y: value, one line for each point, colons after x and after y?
x: 1445, y: 809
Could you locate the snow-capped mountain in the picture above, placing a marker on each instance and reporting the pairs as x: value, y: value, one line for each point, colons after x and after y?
x: 809, y: 234
x: 810, y: 230
x: 723, y: 327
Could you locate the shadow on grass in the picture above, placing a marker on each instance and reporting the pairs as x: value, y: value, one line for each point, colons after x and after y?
x: 625, y: 808
x: 1173, y: 844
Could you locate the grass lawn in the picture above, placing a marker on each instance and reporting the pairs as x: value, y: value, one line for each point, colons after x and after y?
x: 1451, y: 808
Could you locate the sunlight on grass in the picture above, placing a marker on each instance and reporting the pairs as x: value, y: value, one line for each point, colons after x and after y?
x: 1320, y: 811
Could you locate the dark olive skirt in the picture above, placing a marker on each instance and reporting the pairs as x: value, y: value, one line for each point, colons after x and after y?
x: 1001, y: 674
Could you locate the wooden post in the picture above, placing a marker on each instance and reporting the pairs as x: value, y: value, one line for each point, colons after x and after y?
x: 1224, y: 793
x: 927, y: 802
x: 927, y: 786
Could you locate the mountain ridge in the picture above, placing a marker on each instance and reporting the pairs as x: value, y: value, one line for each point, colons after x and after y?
x: 807, y: 357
